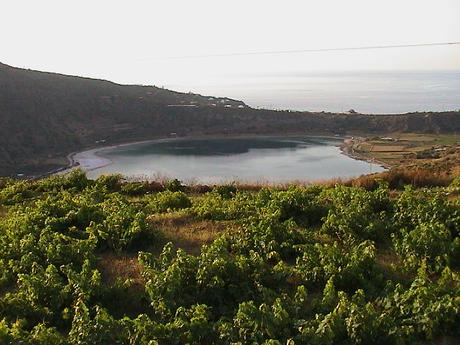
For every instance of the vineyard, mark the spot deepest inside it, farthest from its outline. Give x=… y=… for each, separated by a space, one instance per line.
x=115 y=262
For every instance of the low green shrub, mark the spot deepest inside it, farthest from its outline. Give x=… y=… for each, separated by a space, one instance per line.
x=168 y=201
x=174 y=185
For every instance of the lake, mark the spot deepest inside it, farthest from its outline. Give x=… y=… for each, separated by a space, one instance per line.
x=255 y=159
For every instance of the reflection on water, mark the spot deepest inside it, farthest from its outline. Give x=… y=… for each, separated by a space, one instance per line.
x=277 y=159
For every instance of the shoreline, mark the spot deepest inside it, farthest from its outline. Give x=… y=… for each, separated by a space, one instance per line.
x=90 y=159
x=347 y=149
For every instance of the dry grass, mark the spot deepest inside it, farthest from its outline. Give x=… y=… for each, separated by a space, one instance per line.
x=398 y=177
x=131 y=301
x=186 y=232
x=257 y=186
x=380 y=147
x=456 y=171
x=431 y=175
x=120 y=266
x=404 y=148
x=387 y=261
x=446 y=340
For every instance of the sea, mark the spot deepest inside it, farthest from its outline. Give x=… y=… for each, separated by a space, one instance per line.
x=389 y=92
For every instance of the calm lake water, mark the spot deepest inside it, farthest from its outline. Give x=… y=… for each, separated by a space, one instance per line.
x=229 y=159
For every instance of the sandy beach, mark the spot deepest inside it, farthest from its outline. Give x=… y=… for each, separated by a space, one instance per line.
x=89 y=160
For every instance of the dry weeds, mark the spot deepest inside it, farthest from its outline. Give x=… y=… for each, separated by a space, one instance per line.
x=186 y=232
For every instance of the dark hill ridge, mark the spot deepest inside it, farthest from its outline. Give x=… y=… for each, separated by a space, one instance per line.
x=45 y=116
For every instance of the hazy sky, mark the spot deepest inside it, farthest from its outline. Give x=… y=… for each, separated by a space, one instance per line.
x=126 y=41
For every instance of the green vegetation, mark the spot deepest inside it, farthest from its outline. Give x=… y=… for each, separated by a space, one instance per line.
x=107 y=262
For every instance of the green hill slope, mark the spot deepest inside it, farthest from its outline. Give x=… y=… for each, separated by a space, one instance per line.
x=107 y=262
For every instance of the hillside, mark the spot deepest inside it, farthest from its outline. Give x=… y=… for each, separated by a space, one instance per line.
x=46 y=116
x=109 y=262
